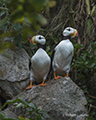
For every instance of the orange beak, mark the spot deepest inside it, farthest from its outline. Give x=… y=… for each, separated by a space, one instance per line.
x=76 y=33
x=31 y=40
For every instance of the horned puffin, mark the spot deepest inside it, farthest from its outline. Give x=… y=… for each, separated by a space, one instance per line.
x=63 y=53
x=40 y=62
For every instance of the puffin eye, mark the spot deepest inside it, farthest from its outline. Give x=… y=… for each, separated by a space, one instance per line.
x=68 y=29
x=40 y=38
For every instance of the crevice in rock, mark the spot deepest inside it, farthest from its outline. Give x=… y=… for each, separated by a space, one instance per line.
x=2 y=101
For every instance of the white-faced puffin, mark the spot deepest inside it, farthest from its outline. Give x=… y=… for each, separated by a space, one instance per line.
x=39 y=63
x=63 y=54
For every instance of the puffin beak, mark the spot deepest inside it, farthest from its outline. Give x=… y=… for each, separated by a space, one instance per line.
x=33 y=41
x=75 y=33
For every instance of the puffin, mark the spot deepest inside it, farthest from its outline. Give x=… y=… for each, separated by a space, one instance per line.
x=63 y=54
x=40 y=62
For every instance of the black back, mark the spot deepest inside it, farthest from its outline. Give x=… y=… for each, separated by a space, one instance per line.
x=41 y=46
x=67 y=37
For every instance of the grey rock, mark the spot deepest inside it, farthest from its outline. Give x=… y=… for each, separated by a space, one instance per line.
x=62 y=99
x=8 y=112
x=14 y=72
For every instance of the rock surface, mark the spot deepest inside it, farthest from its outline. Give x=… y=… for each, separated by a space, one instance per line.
x=14 y=72
x=62 y=99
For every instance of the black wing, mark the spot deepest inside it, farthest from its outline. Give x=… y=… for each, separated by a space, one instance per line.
x=52 y=57
x=51 y=70
x=30 y=64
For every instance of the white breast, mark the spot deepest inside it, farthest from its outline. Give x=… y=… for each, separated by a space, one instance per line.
x=40 y=65
x=63 y=55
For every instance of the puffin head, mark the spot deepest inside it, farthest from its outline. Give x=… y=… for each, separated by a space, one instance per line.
x=69 y=31
x=38 y=39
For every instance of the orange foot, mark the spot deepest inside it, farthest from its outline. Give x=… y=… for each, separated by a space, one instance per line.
x=66 y=75
x=56 y=77
x=43 y=84
x=29 y=87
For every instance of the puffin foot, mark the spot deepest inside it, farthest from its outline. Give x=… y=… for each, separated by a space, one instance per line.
x=43 y=84
x=56 y=77
x=29 y=87
x=66 y=75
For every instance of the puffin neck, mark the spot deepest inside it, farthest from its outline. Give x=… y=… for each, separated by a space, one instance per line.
x=41 y=46
x=67 y=37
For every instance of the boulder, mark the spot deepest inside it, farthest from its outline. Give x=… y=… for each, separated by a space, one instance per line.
x=62 y=99
x=14 y=72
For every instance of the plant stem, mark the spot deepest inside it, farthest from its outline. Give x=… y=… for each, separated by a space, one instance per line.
x=88 y=6
x=70 y=14
x=93 y=11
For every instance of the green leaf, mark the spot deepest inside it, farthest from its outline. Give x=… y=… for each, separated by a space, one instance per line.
x=89 y=25
x=21 y=118
x=39 y=4
x=40 y=19
x=2 y=8
x=32 y=105
x=17 y=26
x=13 y=101
x=38 y=117
x=18 y=41
x=93 y=11
x=20 y=105
x=3 y=117
x=90 y=118
x=41 y=111
x=18 y=17
x=3 y=21
x=2 y=13
x=52 y=3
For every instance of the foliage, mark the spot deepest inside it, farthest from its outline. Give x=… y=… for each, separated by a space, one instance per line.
x=27 y=109
x=85 y=64
x=21 y=19
x=23 y=16
x=91 y=13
